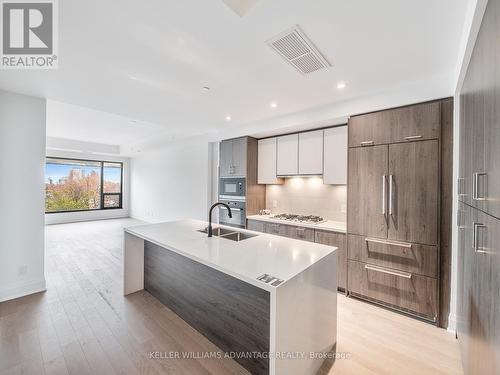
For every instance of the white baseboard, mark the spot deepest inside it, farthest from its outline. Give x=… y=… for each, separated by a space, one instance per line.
x=75 y=217
x=21 y=290
x=452 y=323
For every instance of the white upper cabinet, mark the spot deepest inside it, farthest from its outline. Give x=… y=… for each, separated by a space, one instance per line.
x=317 y=152
x=311 y=153
x=335 y=158
x=288 y=155
x=267 y=162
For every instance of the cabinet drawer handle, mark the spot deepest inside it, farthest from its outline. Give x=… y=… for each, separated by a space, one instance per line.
x=459 y=219
x=367 y=143
x=413 y=137
x=390 y=243
x=475 y=245
x=391 y=183
x=383 y=195
x=406 y=275
x=461 y=186
x=475 y=186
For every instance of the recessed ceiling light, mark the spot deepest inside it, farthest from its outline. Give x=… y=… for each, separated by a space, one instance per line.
x=205 y=88
x=341 y=85
x=133 y=78
x=133 y=121
x=273 y=104
x=228 y=118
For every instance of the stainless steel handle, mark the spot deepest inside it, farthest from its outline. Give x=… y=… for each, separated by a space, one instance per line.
x=475 y=245
x=383 y=195
x=232 y=209
x=367 y=143
x=475 y=186
x=461 y=186
x=406 y=275
x=413 y=137
x=459 y=219
x=389 y=242
x=390 y=194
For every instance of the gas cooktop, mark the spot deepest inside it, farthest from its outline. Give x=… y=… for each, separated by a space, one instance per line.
x=309 y=219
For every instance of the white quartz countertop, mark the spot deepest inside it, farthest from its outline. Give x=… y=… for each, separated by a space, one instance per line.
x=329 y=225
x=246 y=260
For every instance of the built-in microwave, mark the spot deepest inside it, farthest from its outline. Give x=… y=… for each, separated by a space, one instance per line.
x=231 y=187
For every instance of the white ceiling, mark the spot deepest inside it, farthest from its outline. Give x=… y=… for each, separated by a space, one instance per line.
x=149 y=61
x=70 y=121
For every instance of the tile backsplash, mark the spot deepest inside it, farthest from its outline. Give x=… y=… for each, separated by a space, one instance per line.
x=308 y=196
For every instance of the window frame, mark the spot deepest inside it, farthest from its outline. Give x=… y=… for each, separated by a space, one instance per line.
x=102 y=193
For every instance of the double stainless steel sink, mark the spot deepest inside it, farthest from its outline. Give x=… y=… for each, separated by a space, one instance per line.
x=229 y=234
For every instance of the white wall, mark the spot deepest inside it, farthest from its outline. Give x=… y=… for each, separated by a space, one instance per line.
x=69 y=217
x=172 y=183
x=22 y=159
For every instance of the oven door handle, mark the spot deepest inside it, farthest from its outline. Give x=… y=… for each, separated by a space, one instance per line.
x=232 y=208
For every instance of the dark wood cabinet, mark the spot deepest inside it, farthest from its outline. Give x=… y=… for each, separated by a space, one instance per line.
x=324 y=237
x=414 y=192
x=464 y=183
x=478 y=322
x=273 y=228
x=255 y=225
x=479 y=177
x=478 y=219
x=226 y=158
x=397 y=191
x=233 y=157
x=367 y=177
x=403 y=290
x=415 y=258
x=291 y=231
x=395 y=196
x=416 y=122
x=338 y=240
x=465 y=261
x=239 y=156
x=484 y=305
x=297 y=232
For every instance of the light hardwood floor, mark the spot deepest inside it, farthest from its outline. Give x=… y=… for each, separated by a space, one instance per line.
x=83 y=324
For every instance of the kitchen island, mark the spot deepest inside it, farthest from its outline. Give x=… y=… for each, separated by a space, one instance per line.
x=269 y=301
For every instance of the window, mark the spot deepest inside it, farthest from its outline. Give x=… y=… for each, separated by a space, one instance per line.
x=82 y=185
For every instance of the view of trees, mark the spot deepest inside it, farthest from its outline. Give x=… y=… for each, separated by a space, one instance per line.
x=79 y=189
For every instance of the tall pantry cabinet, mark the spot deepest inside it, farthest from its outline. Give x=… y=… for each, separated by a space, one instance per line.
x=478 y=221
x=394 y=207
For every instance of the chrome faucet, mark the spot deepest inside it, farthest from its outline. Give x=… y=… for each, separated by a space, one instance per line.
x=210 y=230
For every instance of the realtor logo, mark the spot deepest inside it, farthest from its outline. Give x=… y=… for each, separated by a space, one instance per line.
x=29 y=34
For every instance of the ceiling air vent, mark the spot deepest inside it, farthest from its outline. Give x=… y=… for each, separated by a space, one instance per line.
x=298 y=50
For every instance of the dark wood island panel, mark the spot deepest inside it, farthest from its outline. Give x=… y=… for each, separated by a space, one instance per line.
x=231 y=313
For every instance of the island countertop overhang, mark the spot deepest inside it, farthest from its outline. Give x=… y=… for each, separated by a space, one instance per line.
x=246 y=260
